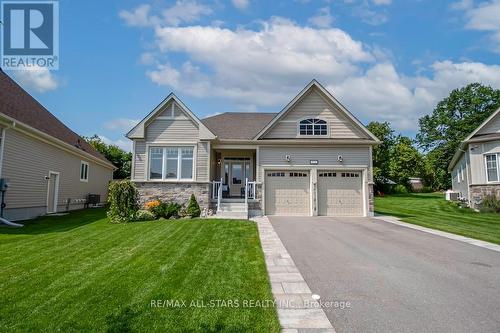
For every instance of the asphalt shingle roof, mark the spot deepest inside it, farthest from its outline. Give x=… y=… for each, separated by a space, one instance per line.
x=16 y=103
x=238 y=125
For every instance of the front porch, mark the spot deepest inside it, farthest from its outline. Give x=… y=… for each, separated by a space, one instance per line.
x=233 y=182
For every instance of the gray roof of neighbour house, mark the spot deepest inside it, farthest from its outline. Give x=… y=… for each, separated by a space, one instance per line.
x=17 y=104
x=238 y=125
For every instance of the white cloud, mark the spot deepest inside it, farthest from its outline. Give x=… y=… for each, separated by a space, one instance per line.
x=462 y=5
x=369 y=15
x=248 y=64
x=382 y=2
x=483 y=17
x=241 y=4
x=267 y=66
x=124 y=144
x=37 y=78
x=323 y=19
x=183 y=11
x=121 y=124
x=139 y=17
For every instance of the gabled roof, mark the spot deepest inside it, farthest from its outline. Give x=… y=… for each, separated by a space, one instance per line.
x=138 y=131
x=238 y=125
x=18 y=105
x=473 y=137
x=310 y=86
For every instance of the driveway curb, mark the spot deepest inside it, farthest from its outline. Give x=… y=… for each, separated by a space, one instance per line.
x=297 y=310
x=472 y=241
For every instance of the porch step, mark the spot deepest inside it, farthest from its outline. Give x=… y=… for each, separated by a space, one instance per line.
x=233 y=207
x=232 y=215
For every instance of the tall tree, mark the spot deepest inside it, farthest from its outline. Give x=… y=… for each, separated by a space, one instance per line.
x=120 y=158
x=452 y=120
x=406 y=162
x=382 y=152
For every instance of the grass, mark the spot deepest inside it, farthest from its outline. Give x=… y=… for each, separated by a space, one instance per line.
x=433 y=211
x=80 y=273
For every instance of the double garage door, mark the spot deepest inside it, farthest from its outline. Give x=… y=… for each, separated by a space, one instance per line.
x=289 y=193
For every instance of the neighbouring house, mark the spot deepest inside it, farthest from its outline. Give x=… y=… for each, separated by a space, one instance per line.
x=416 y=184
x=475 y=166
x=48 y=167
x=312 y=158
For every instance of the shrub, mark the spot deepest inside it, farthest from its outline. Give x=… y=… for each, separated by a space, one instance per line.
x=193 y=208
x=490 y=204
x=166 y=210
x=123 y=199
x=400 y=189
x=183 y=213
x=144 y=215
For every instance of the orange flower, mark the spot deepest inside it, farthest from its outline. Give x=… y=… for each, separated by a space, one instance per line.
x=152 y=204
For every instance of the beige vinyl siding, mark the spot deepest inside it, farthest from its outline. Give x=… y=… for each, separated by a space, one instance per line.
x=26 y=162
x=176 y=130
x=492 y=127
x=301 y=156
x=139 y=160
x=477 y=160
x=314 y=105
x=202 y=160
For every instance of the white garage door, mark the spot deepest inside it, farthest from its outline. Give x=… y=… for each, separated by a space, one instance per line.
x=340 y=193
x=287 y=193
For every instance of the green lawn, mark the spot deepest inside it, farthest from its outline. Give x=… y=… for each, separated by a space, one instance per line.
x=433 y=211
x=79 y=273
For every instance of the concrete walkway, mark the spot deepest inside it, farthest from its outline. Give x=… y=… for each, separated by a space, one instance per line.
x=298 y=311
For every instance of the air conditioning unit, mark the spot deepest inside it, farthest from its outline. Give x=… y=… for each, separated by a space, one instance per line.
x=452 y=195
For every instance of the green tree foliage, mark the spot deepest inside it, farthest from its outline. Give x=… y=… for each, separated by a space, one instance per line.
x=405 y=162
x=123 y=199
x=382 y=152
x=120 y=158
x=193 y=208
x=452 y=120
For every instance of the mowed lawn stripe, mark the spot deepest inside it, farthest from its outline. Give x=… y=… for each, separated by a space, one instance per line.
x=102 y=277
x=433 y=211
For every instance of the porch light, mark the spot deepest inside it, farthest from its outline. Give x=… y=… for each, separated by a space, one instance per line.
x=288 y=158
x=340 y=158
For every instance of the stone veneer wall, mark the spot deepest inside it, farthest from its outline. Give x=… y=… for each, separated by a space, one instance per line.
x=478 y=192
x=371 y=200
x=177 y=192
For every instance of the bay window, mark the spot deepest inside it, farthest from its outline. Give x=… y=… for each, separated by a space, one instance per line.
x=492 y=167
x=171 y=163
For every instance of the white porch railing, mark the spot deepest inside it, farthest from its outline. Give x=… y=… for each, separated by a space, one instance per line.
x=216 y=185
x=251 y=190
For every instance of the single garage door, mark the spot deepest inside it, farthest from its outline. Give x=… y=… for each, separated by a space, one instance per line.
x=287 y=193
x=340 y=193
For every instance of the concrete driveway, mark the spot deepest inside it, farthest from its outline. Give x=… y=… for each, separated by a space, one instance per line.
x=395 y=278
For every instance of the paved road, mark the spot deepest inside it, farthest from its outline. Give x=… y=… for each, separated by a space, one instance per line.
x=396 y=279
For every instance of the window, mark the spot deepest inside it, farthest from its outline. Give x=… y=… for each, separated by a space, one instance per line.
x=492 y=167
x=171 y=163
x=84 y=171
x=298 y=174
x=328 y=174
x=276 y=174
x=313 y=127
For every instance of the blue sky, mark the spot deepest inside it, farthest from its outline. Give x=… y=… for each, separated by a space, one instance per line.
x=386 y=60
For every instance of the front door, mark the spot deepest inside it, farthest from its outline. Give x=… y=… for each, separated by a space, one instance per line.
x=235 y=174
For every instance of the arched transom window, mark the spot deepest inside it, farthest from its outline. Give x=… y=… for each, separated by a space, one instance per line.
x=313 y=126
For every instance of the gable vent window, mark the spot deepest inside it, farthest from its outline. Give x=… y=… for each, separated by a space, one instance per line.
x=313 y=127
x=84 y=171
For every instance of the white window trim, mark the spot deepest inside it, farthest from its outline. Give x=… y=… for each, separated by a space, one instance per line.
x=327 y=135
x=497 y=158
x=86 y=180
x=164 y=146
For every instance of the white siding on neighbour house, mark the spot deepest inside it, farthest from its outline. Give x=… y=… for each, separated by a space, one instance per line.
x=460 y=177
x=477 y=160
x=26 y=162
x=312 y=105
x=492 y=127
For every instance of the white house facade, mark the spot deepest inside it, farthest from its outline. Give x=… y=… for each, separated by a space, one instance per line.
x=312 y=158
x=475 y=168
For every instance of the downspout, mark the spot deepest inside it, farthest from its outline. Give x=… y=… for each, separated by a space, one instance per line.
x=2 y=146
